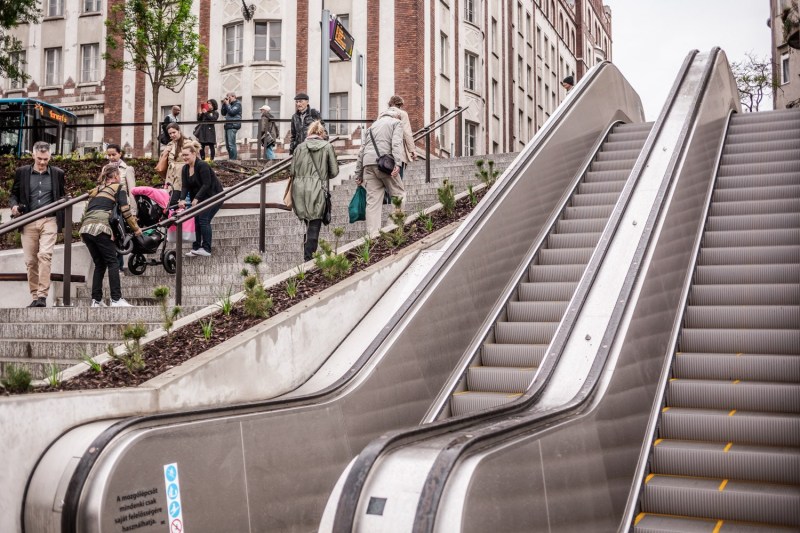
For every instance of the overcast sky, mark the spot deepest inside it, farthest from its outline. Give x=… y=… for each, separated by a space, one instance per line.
x=653 y=37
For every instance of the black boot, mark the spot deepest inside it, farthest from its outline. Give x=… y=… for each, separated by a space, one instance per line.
x=312 y=239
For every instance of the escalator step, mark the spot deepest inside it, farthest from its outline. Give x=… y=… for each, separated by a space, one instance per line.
x=778 y=128
x=583 y=225
x=722 y=499
x=727 y=460
x=558 y=241
x=601 y=187
x=546 y=292
x=536 y=311
x=784 y=205
x=743 y=427
x=763 y=145
x=756 y=294
x=633 y=144
x=499 y=379
x=616 y=154
x=469 y=402
x=555 y=273
x=743 y=137
x=732 y=366
x=625 y=136
x=655 y=523
x=565 y=256
x=764 y=152
x=524 y=332
x=773 y=180
x=763 y=192
x=753 y=237
x=753 y=221
x=718 y=340
x=624 y=165
x=583 y=212
x=753 y=316
x=739 y=395
x=751 y=255
x=586 y=200
x=595 y=176
x=519 y=355
x=746 y=274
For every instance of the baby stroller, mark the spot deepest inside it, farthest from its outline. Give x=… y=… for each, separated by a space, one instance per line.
x=153 y=239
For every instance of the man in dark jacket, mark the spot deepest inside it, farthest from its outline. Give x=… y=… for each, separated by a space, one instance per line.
x=232 y=111
x=301 y=119
x=36 y=186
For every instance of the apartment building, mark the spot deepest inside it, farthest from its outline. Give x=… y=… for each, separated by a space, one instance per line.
x=503 y=61
x=784 y=22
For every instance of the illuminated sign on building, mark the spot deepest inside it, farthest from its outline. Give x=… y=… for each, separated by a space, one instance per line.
x=341 y=41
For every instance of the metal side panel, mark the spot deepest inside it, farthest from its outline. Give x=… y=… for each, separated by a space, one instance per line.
x=273 y=465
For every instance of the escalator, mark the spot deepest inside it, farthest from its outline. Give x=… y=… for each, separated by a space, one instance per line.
x=510 y=358
x=727 y=451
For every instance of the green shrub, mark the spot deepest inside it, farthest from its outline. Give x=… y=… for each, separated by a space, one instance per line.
x=133 y=357
x=161 y=294
x=487 y=174
x=331 y=264
x=207 y=326
x=447 y=197
x=16 y=379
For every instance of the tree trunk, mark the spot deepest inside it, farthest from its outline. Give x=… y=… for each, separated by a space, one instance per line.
x=155 y=145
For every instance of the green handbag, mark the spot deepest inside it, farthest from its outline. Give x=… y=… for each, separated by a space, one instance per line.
x=358 y=205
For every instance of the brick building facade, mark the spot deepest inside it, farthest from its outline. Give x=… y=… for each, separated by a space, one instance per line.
x=502 y=60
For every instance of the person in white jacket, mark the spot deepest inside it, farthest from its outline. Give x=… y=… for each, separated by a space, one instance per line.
x=385 y=134
x=409 y=149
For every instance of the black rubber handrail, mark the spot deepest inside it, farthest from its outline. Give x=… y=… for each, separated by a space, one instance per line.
x=461 y=445
x=42 y=212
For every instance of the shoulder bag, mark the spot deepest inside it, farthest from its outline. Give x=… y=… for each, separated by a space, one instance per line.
x=163 y=164
x=326 y=216
x=385 y=162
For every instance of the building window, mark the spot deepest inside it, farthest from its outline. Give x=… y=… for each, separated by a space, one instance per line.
x=86 y=134
x=470 y=138
x=267 y=42
x=469 y=11
x=544 y=49
x=519 y=70
x=528 y=26
x=233 y=44
x=18 y=60
x=52 y=66
x=338 y=110
x=495 y=92
x=471 y=71
x=519 y=17
x=530 y=128
x=90 y=62
x=495 y=47
x=544 y=98
x=443 y=131
x=55 y=8
x=539 y=41
x=519 y=126
x=444 y=45
x=274 y=103
x=784 y=68
x=529 y=80
x=91 y=6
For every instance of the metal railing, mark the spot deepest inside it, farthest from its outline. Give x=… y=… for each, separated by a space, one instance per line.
x=259 y=179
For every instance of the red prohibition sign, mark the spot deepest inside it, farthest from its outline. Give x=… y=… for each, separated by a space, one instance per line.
x=176 y=526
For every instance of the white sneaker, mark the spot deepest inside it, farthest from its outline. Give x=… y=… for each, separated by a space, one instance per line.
x=100 y=303
x=191 y=253
x=120 y=303
x=202 y=253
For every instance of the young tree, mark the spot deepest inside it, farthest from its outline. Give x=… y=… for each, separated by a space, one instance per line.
x=158 y=38
x=12 y=14
x=753 y=79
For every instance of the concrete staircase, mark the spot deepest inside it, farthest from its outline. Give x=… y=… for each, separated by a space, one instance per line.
x=39 y=337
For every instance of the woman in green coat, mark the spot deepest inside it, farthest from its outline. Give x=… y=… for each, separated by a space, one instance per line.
x=313 y=164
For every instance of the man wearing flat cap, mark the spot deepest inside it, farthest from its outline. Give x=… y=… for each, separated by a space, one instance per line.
x=302 y=118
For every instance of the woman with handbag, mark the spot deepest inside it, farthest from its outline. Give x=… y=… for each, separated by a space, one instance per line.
x=96 y=233
x=206 y=134
x=174 y=161
x=199 y=183
x=313 y=165
x=267 y=132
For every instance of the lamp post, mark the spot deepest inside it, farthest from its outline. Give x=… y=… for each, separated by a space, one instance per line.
x=325 y=38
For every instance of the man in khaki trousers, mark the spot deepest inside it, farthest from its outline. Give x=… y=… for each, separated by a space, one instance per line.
x=36 y=186
x=386 y=134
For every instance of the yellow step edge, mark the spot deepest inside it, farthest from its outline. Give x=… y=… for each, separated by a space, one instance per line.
x=737 y=381
x=732 y=412
x=648 y=478
x=639 y=518
x=722 y=485
x=664 y=410
x=657 y=442
x=718 y=527
x=728 y=447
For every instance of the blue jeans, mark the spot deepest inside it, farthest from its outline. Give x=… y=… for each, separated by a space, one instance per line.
x=269 y=152
x=230 y=142
x=202 y=231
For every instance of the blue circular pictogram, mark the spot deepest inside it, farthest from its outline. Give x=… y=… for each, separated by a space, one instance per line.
x=172 y=491
x=171 y=473
x=174 y=509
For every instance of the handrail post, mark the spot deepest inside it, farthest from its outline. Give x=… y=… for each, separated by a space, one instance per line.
x=262 y=218
x=428 y=156
x=258 y=149
x=67 y=229
x=178 y=262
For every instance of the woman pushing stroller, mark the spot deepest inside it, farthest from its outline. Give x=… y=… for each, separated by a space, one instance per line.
x=96 y=233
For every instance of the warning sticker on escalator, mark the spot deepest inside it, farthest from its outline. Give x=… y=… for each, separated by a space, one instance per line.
x=173 y=488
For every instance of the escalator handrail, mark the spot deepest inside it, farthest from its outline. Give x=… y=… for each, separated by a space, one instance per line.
x=477 y=439
x=666 y=372
x=86 y=463
x=366 y=460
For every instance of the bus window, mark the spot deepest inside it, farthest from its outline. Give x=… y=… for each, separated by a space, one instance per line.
x=9 y=133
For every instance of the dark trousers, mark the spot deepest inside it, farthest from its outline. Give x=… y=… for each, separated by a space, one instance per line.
x=211 y=149
x=104 y=256
x=312 y=239
x=202 y=232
